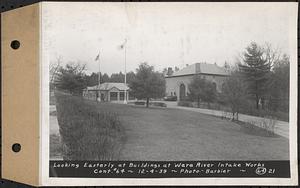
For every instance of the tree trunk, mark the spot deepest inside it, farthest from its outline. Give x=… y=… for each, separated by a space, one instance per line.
x=256 y=95
x=147 y=104
x=257 y=101
x=262 y=103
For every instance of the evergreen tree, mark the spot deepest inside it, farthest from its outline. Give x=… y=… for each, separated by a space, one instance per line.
x=256 y=71
x=71 y=78
x=104 y=78
x=117 y=77
x=130 y=76
x=92 y=79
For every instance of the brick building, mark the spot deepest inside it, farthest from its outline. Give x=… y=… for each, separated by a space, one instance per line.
x=177 y=82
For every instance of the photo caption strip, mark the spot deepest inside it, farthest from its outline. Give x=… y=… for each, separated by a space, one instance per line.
x=167 y=169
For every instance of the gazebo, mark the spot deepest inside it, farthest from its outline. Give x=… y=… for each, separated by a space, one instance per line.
x=109 y=91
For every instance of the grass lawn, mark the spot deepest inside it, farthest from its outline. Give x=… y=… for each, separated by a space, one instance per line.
x=172 y=134
x=55 y=147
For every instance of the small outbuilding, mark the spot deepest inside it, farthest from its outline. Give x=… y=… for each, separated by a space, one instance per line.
x=109 y=91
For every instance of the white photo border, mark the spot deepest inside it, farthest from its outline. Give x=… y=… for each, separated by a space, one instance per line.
x=45 y=180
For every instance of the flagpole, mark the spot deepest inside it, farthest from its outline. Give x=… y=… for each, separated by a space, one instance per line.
x=125 y=92
x=99 y=77
x=99 y=71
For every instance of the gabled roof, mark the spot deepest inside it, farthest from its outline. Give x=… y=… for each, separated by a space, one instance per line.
x=109 y=86
x=203 y=68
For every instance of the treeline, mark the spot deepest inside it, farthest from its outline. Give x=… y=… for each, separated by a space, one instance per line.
x=73 y=78
x=266 y=75
x=92 y=79
x=258 y=84
x=144 y=84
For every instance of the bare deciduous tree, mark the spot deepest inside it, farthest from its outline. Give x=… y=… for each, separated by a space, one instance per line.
x=234 y=93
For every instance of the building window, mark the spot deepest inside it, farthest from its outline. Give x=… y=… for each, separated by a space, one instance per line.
x=223 y=86
x=215 y=85
x=182 y=92
x=171 y=93
x=113 y=96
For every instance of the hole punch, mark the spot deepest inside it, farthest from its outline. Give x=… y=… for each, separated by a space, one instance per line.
x=15 y=44
x=16 y=147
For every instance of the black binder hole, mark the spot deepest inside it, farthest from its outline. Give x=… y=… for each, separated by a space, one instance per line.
x=16 y=147
x=15 y=44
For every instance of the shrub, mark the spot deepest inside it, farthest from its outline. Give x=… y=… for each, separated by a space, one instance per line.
x=227 y=115
x=87 y=133
x=185 y=103
x=139 y=102
x=161 y=104
x=250 y=109
x=258 y=130
x=268 y=124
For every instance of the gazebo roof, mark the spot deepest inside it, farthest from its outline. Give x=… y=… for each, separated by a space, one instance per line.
x=108 y=86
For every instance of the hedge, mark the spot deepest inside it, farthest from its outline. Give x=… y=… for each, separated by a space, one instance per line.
x=86 y=132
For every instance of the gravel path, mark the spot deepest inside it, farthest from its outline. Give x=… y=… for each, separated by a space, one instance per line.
x=281 y=127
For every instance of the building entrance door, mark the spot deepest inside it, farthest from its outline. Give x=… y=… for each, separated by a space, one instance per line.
x=182 y=92
x=102 y=97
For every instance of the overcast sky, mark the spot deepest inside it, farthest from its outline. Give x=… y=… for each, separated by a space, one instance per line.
x=162 y=34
